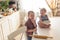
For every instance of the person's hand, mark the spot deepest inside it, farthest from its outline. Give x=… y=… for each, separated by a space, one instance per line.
x=30 y=30
x=34 y=23
x=35 y=29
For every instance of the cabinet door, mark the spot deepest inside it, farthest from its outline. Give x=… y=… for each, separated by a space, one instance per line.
x=1 y=33
x=6 y=29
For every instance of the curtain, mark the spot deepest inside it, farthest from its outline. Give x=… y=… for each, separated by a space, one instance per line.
x=53 y=5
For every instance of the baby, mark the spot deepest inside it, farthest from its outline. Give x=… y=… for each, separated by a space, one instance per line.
x=44 y=20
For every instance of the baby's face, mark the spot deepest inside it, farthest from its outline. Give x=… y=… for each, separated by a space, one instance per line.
x=31 y=15
x=42 y=12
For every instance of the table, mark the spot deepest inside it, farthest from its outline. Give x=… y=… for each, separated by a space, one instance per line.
x=53 y=31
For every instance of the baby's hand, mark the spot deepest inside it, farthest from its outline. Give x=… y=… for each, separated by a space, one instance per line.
x=34 y=23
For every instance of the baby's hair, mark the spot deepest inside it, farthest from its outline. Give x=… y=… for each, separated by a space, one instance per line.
x=43 y=9
x=30 y=12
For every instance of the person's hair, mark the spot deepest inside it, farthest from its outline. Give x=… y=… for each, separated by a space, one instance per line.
x=30 y=12
x=43 y=9
x=11 y=2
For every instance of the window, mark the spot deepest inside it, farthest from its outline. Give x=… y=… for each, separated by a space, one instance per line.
x=34 y=5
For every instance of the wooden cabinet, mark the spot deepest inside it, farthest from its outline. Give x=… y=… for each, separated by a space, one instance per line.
x=1 y=33
x=6 y=29
x=8 y=25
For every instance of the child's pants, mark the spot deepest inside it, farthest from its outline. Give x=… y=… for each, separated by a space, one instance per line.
x=29 y=38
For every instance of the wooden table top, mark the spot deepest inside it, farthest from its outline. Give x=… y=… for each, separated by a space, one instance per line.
x=53 y=31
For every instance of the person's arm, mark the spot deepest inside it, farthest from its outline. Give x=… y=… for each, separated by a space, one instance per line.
x=34 y=22
x=48 y=18
x=30 y=30
x=41 y=21
x=35 y=25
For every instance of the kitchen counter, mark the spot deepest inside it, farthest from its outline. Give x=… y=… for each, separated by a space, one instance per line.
x=9 y=24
